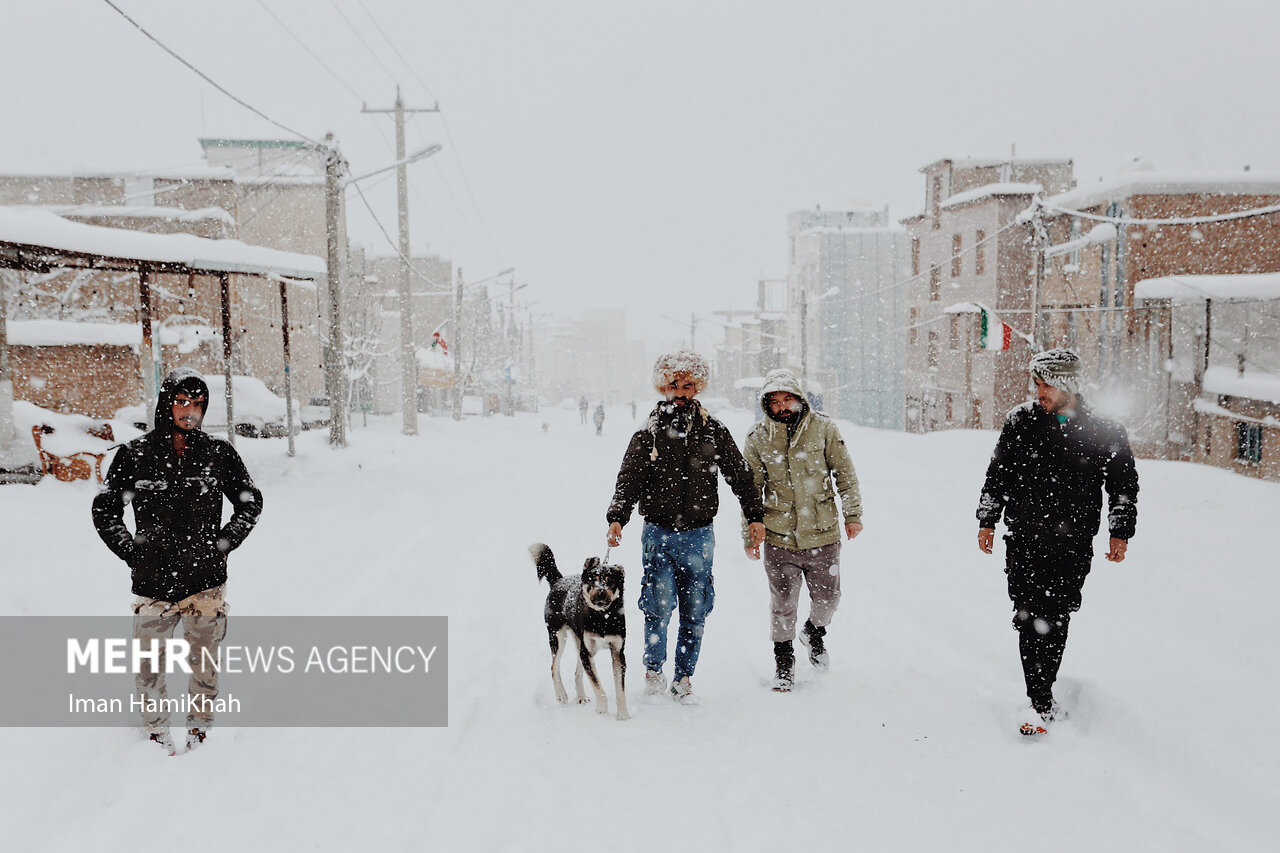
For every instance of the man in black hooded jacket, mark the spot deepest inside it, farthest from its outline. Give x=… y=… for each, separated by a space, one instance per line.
x=176 y=477
x=1053 y=460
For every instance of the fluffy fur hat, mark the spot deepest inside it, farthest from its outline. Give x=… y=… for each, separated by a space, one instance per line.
x=1057 y=367
x=684 y=363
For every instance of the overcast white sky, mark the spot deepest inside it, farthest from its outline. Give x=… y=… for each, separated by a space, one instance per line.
x=645 y=155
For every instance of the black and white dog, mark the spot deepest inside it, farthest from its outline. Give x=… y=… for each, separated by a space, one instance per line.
x=588 y=606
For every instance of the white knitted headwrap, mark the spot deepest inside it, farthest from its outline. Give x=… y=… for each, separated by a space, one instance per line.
x=1057 y=367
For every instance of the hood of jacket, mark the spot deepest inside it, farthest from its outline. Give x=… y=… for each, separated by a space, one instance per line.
x=784 y=380
x=185 y=379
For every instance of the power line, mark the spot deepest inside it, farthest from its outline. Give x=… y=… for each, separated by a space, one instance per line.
x=360 y=38
x=209 y=79
x=1188 y=220
x=310 y=52
x=442 y=288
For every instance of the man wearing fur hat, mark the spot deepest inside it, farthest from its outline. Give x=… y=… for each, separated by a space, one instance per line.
x=176 y=477
x=794 y=455
x=1053 y=461
x=671 y=469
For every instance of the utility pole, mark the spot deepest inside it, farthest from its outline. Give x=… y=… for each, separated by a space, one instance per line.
x=408 y=345
x=693 y=332
x=457 y=350
x=335 y=374
x=1040 y=241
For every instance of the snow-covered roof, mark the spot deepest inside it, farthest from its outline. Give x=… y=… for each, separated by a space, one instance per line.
x=1198 y=288
x=125 y=211
x=983 y=163
x=1253 y=385
x=43 y=230
x=988 y=190
x=433 y=358
x=61 y=333
x=1130 y=184
x=962 y=308
x=829 y=229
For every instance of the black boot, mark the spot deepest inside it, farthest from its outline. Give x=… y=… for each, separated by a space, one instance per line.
x=785 y=657
x=812 y=638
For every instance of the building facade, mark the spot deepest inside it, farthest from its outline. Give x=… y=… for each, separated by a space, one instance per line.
x=969 y=251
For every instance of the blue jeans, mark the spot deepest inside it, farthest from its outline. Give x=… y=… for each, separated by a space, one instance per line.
x=677 y=569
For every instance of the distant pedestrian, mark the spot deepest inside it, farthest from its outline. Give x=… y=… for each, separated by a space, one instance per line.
x=672 y=468
x=1053 y=460
x=176 y=477
x=583 y=405
x=633 y=410
x=800 y=463
x=599 y=419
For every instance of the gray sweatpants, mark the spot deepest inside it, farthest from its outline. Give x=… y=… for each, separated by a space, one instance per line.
x=787 y=571
x=204 y=625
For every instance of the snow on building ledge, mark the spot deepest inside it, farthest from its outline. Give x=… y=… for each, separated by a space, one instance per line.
x=1198 y=288
x=1130 y=184
x=989 y=190
x=63 y=333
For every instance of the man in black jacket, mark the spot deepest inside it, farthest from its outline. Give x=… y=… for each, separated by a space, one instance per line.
x=176 y=477
x=671 y=468
x=1053 y=460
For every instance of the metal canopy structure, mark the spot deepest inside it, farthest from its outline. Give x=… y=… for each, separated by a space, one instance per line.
x=39 y=241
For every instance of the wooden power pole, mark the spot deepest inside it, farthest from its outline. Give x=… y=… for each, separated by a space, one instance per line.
x=408 y=344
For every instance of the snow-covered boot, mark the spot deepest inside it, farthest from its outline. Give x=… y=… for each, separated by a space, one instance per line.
x=166 y=742
x=785 y=658
x=811 y=637
x=195 y=737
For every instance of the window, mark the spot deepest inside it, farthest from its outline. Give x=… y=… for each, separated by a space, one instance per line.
x=1249 y=443
x=957 y=243
x=954 y=342
x=933 y=350
x=979 y=252
x=936 y=202
x=935 y=284
x=915 y=256
x=913 y=323
x=951 y=407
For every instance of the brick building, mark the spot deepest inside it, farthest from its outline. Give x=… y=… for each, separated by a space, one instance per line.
x=1146 y=357
x=968 y=248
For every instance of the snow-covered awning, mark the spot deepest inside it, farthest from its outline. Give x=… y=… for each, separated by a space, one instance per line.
x=36 y=239
x=1198 y=288
x=1227 y=381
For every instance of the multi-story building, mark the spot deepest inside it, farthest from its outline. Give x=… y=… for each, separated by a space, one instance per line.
x=1149 y=357
x=969 y=252
x=846 y=316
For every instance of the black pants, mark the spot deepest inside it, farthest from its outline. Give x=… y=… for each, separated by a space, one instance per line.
x=1045 y=583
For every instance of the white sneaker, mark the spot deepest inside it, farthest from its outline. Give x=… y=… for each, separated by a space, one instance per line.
x=655 y=683
x=682 y=692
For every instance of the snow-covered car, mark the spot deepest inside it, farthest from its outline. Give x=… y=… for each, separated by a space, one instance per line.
x=258 y=412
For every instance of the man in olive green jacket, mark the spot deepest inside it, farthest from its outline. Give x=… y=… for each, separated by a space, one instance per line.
x=794 y=455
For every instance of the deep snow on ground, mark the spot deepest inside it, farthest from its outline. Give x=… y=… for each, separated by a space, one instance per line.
x=908 y=743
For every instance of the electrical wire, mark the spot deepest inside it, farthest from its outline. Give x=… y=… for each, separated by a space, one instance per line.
x=209 y=79
x=360 y=38
x=311 y=52
x=443 y=288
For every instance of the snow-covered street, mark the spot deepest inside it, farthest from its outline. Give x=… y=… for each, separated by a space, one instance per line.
x=909 y=742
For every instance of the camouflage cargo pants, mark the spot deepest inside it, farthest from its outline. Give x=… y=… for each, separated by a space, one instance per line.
x=204 y=625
